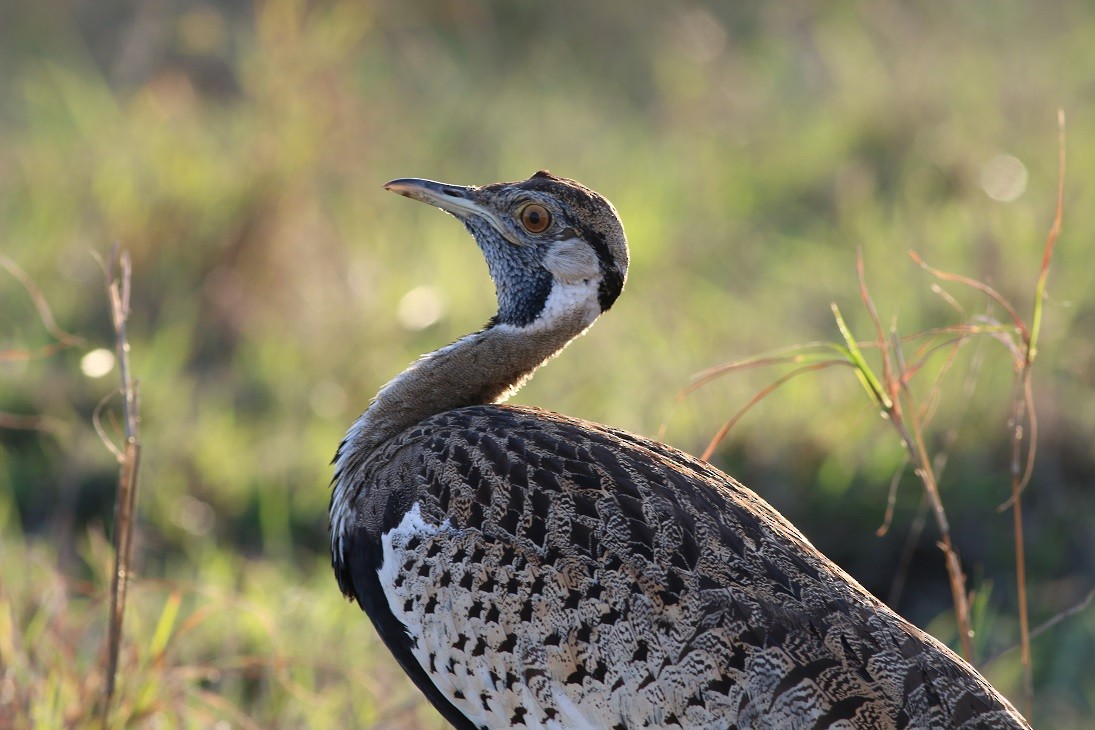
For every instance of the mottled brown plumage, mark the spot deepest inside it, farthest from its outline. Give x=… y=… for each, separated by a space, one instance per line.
x=527 y=569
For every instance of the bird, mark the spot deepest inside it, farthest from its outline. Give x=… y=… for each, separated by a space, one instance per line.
x=527 y=569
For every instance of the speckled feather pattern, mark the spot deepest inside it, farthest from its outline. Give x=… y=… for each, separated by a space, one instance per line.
x=529 y=570
x=546 y=572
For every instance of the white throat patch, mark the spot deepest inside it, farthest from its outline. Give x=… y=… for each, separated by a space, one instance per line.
x=576 y=301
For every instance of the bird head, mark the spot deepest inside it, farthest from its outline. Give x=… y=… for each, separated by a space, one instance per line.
x=552 y=245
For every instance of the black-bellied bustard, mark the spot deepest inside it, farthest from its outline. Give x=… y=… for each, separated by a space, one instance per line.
x=528 y=569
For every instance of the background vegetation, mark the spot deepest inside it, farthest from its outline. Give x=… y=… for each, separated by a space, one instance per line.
x=237 y=151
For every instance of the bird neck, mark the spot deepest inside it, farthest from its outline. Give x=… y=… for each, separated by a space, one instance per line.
x=484 y=367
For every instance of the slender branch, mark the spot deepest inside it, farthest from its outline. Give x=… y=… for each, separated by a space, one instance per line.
x=796 y=354
x=1051 y=240
x=45 y=314
x=914 y=441
x=118 y=279
x=1020 y=553
x=912 y=539
x=1047 y=625
x=893 y=395
x=896 y=385
x=45 y=424
x=24 y=354
x=979 y=286
x=891 y=499
x=1024 y=422
x=793 y=355
x=771 y=387
x=880 y=336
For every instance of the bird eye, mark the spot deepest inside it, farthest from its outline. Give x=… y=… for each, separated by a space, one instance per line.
x=535 y=218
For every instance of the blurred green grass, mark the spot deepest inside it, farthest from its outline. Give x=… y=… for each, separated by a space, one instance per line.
x=238 y=150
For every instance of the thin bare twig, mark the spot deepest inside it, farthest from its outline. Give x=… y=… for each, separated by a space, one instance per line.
x=23 y=354
x=118 y=280
x=1051 y=239
x=18 y=421
x=1047 y=625
x=45 y=314
x=980 y=286
x=912 y=539
x=765 y=392
x=891 y=499
x=893 y=395
x=910 y=429
x=65 y=340
x=1021 y=406
x=97 y=423
x=1025 y=422
x=797 y=354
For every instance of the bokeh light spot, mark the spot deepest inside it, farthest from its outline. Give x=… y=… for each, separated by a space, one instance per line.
x=97 y=363
x=1004 y=178
x=194 y=515
x=420 y=307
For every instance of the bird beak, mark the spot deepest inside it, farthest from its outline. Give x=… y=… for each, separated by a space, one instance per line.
x=459 y=200
x=456 y=199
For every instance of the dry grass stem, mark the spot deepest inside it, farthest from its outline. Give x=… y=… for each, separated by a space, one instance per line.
x=1025 y=422
x=118 y=280
x=892 y=394
x=64 y=340
x=1049 y=624
x=764 y=393
x=45 y=314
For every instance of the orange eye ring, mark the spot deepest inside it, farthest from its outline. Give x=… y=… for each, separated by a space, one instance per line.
x=535 y=218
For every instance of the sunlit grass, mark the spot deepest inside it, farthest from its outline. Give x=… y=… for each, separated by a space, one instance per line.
x=750 y=150
x=251 y=642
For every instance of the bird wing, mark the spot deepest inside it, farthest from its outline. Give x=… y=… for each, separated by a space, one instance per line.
x=527 y=568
